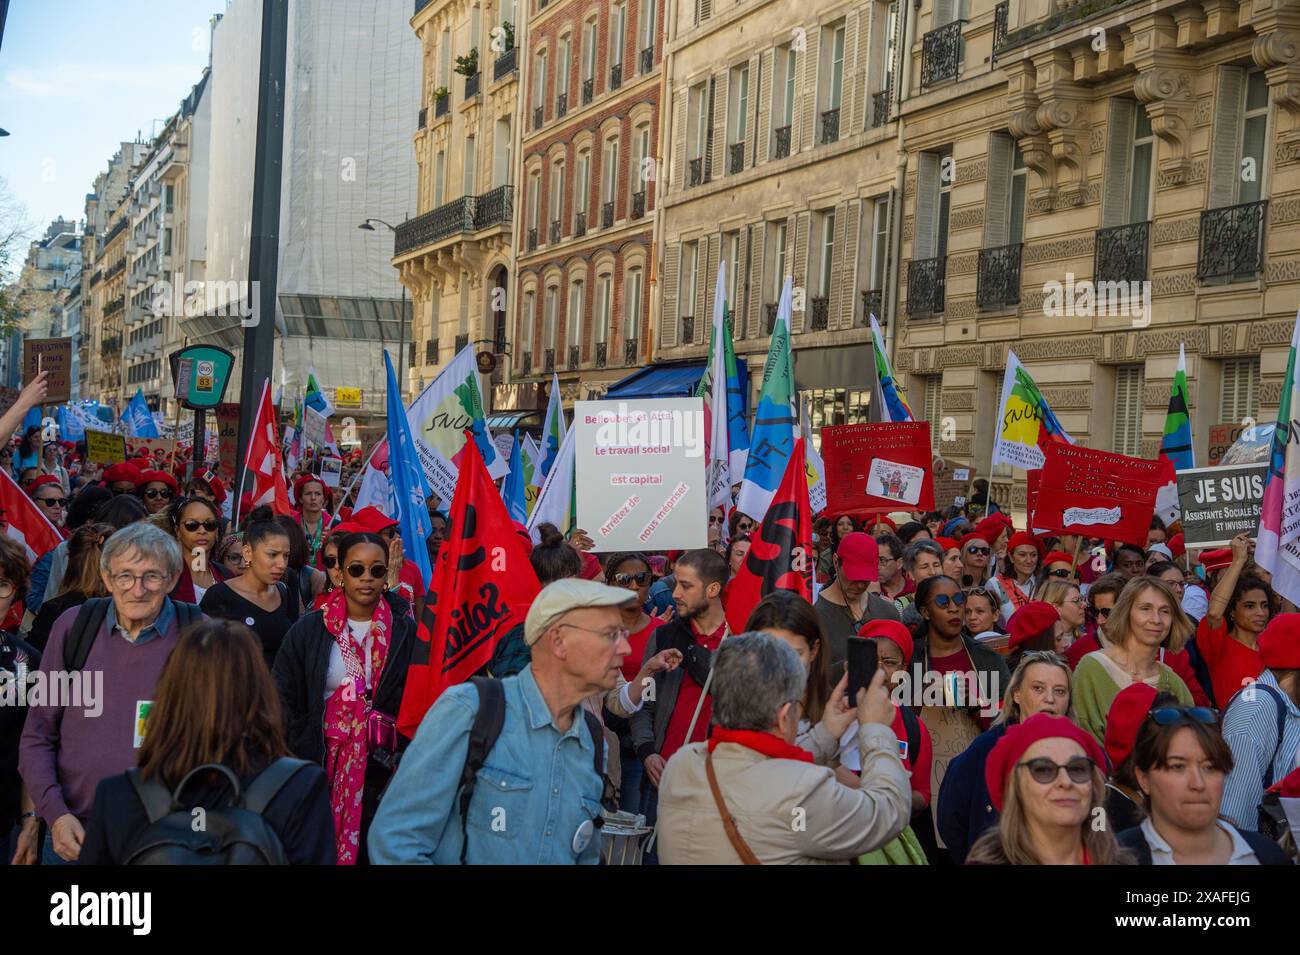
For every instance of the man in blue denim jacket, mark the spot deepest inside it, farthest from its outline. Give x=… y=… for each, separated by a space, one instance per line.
x=538 y=796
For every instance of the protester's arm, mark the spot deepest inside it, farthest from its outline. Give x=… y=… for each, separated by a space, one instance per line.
x=38 y=750
x=631 y=694
x=26 y=849
x=1222 y=594
x=28 y=398
x=823 y=739
x=1244 y=788
x=642 y=722
x=421 y=800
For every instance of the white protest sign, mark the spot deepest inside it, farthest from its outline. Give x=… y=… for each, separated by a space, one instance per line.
x=898 y=482
x=314 y=427
x=331 y=471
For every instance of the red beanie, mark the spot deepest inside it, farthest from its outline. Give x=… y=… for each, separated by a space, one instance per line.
x=1011 y=747
x=947 y=543
x=1032 y=620
x=122 y=471
x=1024 y=539
x=977 y=536
x=1279 y=644
x=1177 y=545
x=591 y=568
x=162 y=477
x=991 y=527
x=890 y=630
x=1127 y=711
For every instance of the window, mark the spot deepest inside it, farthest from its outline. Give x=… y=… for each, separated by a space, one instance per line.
x=539 y=82
x=582 y=186
x=1253 y=142
x=879 y=243
x=1143 y=166
x=698 y=124
x=933 y=198
x=501 y=141
x=890 y=48
x=557 y=191
x=1019 y=181
x=836 y=91
x=589 y=50
x=605 y=303
x=646 y=31
x=781 y=266
x=1239 y=390
x=444 y=59
x=826 y=255
x=833 y=406
x=439 y=179
x=632 y=304
x=738 y=109
x=610 y=161
x=934 y=408
x=617 y=34
x=534 y=199
x=552 y=299
x=574 y=317
x=526 y=321
x=1128 y=410
x=731 y=255
x=1004 y=197
x=690 y=269
x=471 y=163
x=787 y=54
x=637 y=174
x=563 y=59
x=463 y=326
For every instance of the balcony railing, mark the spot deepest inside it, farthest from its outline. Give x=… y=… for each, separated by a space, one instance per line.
x=735 y=158
x=113 y=232
x=553 y=237
x=532 y=239
x=782 y=141
x=769 y=317
x=997 y=282
x=607 y=215
x=688 y=329
x=506 y=63
x=431 y=352
x=695 y=170
x=941 y=54
x=616 y=76
x=588 y=90
x=1120 y=253
x=461 y=342
x=580 y=224
x=820 y=313
x=424 y=115
x=548 y=361
x=575 y=356
x=472 y=84
x=435 y=225
x=647 y=59
x=880 y=108
x=115 y=270
x=441 y=104
x=1232 y=242
x=638 y=204
x=526 y=363
x=602 y=353
x=925 y=282
x=1000 y=17
x=494 y=208
x=630 y=352
x=561 y=105
x=830 y=126
x=872 y=304
x=539 y=116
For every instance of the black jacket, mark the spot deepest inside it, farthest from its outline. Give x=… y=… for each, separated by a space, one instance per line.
x=14 y=653
x=649 y=725
x=1266 y=850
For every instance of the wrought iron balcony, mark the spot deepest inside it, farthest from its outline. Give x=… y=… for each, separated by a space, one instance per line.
x=548 y=361
x=630 y=352
x=941 y=54
x=561 y=105
x=431 y=352
x=1000 y=18
x=553 y=237
x=830 y=126
x=638 y=204
x=769 y=317
x=494 y=208
x=441 y=104
x=115 y=270
x=647 y=59
x=588 y=90
x=435 y=225
x=506 y=63
x=880 y=108
x=925 y=282
x=424 y=115
x=873 y=304
x=580 y=224
x=1120 y=253
x=735 y=158
x=526 y=363
x=820 y=313
x=782 y=141
x=688 y=329
x=575 y=356
x=532 y=239
x=113 y=232
x=471 y=85
x=607 y=215
x=602 y=353
x=1232 y=242
x=695 y=170
x=616 y=76
x=461 y=342
x=997 y=282
x=539 y=116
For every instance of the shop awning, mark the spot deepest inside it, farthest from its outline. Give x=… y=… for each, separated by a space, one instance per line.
x=677 y=380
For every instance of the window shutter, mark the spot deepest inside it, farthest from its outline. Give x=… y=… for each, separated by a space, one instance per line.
x=800 y=271
x=757 y=263
x=807 y=118
x=763 y=124
x=1119 y=157
x=944 y=13
x=1225 y=149
x=1239 y=389
x=870 y=49
x=711 y=130
x=925 y=241
x=706 y=9
x=934 y=407
x=722 y=83
x=850 y=105
x=1128 y=410
x=851 y=217
x=679 y=140
x=705 y=249
x=997 y=192
x=705 y=308
x=668 y=313
x=739 y=308
x=757 y=89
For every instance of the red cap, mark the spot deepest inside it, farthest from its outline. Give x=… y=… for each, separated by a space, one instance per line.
x=1032 y=620
x=1279 y=644
x=1127 y=711
x=122 y=471
x=859 y=557
x=162 y=477
x=890 y=630
x=306 y=479
x=41 y=481
x=344 y=528
x=1024 y=539
x=372 y=519
x=1058 y=557
x=1177 y=545
x=1216 y=559
x=1011 y=747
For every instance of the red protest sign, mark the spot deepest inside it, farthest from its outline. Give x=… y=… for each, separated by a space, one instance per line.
x=876 y=468
x=1098 y=493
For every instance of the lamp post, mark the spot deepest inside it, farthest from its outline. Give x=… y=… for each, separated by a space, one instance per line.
x=401 y=323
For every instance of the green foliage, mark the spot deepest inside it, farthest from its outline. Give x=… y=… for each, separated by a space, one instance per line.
x=467 y=65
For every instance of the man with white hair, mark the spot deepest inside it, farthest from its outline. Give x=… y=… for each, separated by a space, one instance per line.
x=100 y=668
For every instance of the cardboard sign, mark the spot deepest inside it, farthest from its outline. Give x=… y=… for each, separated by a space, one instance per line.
x=331 y=471
x=52 y=355
x=104 y=447
x=640 y=468
x=1220 y=503
x=227 y=439
x=347 y=398
x=314 y=427
x=1221 y=438
x=951 y=731
x=877 y=468
x=1098 y=493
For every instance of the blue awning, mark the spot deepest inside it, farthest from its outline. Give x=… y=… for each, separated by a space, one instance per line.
x=678 y=380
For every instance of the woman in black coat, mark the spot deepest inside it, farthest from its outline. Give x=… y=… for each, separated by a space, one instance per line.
x=341 y=672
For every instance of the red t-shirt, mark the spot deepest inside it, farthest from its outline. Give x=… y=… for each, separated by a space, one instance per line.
x=638 y=640
x=960 y=662
x=409 y=584
x=1231 y=663
x=1080 y=648
x=687 y=697
x=918 y=764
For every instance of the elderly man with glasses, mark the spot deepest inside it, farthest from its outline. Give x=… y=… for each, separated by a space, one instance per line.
x=105 y=658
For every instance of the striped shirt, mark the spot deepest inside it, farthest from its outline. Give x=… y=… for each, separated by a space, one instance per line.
x=1250 y=728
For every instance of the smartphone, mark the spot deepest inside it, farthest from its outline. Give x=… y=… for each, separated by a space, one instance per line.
x=861 y=664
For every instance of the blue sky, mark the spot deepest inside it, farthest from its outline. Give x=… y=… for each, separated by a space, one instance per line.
x=79 y=76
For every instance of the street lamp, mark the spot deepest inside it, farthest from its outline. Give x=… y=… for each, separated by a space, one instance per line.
x=401 y=324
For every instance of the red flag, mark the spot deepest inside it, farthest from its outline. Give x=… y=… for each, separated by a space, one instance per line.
x=780 y=554
x=264 y=458
x=484 y=581
x=23 y=521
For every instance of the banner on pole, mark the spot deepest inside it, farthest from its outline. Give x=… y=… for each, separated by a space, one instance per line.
x=1098 y=493
x=1219 y=503
x=347 y=398
x=877 y=468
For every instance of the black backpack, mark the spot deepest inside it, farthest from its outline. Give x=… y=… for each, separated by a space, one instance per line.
x=90 y=618
x=483 y=734
x=1268 y=824
x=236 y=834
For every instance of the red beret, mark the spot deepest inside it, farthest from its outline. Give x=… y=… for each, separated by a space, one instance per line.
x=344 y=528
x=1177 y=545
x=1058 y=557
x=890 y=630
x=1216 y=559
x=160 y=476
x=1279 y=644
x=1031 y=620
x=1024 y=539
x=977 y=536
x=372 y=519
x=991 y=527
x=306 y=479
x=215 y=485
x=1011 y=747
x=947 y=543
x=122 y=471
x=1289 y=786
x=1127 y=711
x=41 y=481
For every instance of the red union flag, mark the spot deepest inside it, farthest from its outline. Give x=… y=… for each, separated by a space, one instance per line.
x=483 y=585
x=264 y=460
x=1098 y=493
x=23 y=521
x=780 y=554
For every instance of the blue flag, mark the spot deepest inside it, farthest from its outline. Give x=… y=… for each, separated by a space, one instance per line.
x=70 y=426
x=410 y=487
x=138 y=418
x=33 y=419
x=512 y=489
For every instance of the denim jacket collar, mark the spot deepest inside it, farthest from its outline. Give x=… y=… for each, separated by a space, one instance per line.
x=539 y=714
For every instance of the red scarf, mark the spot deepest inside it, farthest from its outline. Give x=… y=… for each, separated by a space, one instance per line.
x=765 y=743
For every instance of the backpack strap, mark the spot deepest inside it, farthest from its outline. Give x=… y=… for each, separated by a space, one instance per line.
x=1280 y=704
x=270 y=781
x=483 y=734
x=913 y=726
x=597 y=731
x=85 y=628
x=153 y=795
x=186 y=614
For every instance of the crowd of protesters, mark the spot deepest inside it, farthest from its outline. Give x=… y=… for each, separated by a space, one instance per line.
x=200 y=663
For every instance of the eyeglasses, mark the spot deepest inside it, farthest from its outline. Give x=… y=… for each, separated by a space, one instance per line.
x=151 y=579
x=942 y=600
x=377 y=571
x=154 y=492
x=329 y=560
x=1169 y=715
x=979 y=550
x=613 y=636
x=209 y=525
x=53 y=501
x=640 y=579
x=7 y=589
x=1045 y=771
x=1060 y=572
x=1101 y=612
x=715 y=519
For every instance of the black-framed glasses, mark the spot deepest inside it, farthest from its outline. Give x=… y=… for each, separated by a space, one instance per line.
x=1045 y=771
x=641 y=578
x=1169 y=715
x=942 y=600
x=53 y=501
x=1101 y=613
x=154 y=492
x=1060 y=572
x=358 y=570
x=192 y=525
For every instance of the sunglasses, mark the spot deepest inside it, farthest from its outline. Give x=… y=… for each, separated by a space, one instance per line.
x=942 y=600
x=209 y=525
x=979 y=550
x=1101 y=613
x=1045 y=771
x=1169 y=715
x=377 y=571
x=330 y=560
x=52 y=501
x=1062 y=573
x=155 y=493
x=640 y=579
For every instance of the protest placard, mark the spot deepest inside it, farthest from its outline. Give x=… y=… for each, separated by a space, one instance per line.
x=227 y=438
x=640 y=473
x=314 y=428
x=347 y=398
x=52 y=355
x=877 y=468
x=951 y=731
x=104 y=447
x=1098 y=493
x=1220 y=503
x=1221 y=438
x=331 y=470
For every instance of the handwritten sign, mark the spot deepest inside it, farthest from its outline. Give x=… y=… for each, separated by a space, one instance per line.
x=877 y=468
x=52 y=355
x=951 y=731
x=1098 y=493
x=104 y=447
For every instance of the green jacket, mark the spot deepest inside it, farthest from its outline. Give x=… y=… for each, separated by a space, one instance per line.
x=1094 y=689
